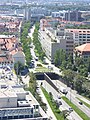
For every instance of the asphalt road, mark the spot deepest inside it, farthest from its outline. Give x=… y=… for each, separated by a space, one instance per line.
x=73 y=115
x=71 y=95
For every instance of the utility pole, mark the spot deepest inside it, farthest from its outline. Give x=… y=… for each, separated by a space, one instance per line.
x=70 y=94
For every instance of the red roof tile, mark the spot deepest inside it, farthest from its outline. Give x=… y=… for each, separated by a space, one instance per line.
x=84 y=47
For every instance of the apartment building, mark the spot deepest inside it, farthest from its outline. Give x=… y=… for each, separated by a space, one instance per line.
x=10 y=51
x=73 y=16
x=80 y=36
x=53 y=40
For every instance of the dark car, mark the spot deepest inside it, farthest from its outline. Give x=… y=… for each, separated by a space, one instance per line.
x=80 y=103
x=60 y=103
x=70 y=109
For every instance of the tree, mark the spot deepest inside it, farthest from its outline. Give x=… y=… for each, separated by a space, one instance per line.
x=88 y=65
x=78 y=80
x=82 y=69
x=68 y=76
x=63 y=65
x=18 y=67
x=79 y=61
x=32 y=83
x=59 y=57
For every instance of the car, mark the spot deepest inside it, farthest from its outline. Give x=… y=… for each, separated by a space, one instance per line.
x=60 y=103
x=80 y=103
x=70 y=109
x=59 y=97
x=50 y=67
x=36 y=58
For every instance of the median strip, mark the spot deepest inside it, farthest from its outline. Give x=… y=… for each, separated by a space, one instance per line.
x=76 y=109
x=55 y=110
x=88 y=105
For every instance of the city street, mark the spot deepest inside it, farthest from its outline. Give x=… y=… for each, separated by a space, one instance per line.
x=73 y=115
x=71 y=93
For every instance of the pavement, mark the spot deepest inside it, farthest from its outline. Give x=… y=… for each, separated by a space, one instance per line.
x=72 y=96
x=49 y=111
x=75 y=100
x=73 y=115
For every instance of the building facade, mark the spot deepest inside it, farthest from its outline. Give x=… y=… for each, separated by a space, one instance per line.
x=83 y=51
x=80 y=36
x=53 y=40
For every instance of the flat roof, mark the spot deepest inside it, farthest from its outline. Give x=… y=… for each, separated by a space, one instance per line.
x=31 y=99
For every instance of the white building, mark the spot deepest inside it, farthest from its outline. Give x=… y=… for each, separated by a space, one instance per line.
x=53 y=40
x=15 y=102
x=80 y=36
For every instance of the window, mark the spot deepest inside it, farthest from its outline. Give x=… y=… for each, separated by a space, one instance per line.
x=88 y=36
x=84 y=36
x=80 y=36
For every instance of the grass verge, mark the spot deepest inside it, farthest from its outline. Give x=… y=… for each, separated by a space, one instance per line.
x=76 y=109
x=42 y=69
x=88 y=105
x=56 y=111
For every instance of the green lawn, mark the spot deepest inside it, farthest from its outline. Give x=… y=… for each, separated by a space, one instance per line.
x=77 y=110
x=42 y=69
x=57 y=112
x=88 y=105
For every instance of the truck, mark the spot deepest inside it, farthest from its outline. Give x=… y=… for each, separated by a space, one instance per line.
x=63 y=90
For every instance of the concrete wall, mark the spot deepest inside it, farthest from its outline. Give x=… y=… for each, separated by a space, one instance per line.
x=47 y=78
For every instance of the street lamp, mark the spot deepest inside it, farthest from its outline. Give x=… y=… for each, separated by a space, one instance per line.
x=70 y=94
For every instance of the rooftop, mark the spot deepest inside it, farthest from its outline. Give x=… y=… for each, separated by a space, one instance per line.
x=84 y=47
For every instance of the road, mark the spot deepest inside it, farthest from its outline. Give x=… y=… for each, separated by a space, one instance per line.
x=31 y=31
x=71 y=92
x=57 y=70
x=73 y=115
x=71 y=95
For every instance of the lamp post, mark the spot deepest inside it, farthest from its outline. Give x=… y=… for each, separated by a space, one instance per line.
x=70 y=94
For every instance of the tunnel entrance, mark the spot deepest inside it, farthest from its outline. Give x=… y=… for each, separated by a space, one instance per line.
x=52 y=76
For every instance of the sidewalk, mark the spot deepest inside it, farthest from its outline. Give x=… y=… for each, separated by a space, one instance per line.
x=49 y=111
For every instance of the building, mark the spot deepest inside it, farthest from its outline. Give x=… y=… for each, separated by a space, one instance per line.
x=27 y=13
x=53 y=40
x=10 y=51
x=80 y=36
x=68 y=15
x=83 y=51
x=15 y=102
x=73 y=16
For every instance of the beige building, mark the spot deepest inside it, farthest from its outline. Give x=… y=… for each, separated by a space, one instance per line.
x=53 y=40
